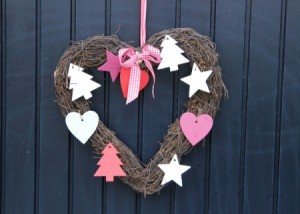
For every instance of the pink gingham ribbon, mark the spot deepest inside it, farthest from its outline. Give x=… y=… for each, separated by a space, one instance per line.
x=131 y=59
x=143 y=22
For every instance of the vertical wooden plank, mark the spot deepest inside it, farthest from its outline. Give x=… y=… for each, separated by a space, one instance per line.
x=158 y=112
x=200 y=18
x=127 y=18
x=20 y=106
x=289 y=185
x=37 y=104
x=194 y=180
x=279 y=104
x=261 y=113
x=53 y=169
x=123 y=119
x=89 y=22
x=2 y=102
x=226 y=134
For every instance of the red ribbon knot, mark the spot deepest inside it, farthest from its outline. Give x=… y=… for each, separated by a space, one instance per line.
x=132 y=59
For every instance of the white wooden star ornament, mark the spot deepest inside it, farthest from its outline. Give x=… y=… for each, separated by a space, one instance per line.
x=173 y=171
x=197 y=80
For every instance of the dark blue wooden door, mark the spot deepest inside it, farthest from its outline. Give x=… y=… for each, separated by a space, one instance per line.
x=250 y=162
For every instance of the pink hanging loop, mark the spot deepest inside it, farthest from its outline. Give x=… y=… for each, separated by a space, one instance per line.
x=129 y=58
x=143 y=22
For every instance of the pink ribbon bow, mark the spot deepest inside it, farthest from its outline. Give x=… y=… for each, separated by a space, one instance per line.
x=131 y=59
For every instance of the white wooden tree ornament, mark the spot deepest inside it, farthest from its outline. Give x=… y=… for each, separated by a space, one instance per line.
x=81 y=83
x=171 y=54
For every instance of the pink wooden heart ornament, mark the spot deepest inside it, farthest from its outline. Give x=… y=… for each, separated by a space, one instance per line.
x=195 y=128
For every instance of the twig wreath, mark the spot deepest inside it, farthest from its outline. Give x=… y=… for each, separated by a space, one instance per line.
x=165 y=48
x=90 y=53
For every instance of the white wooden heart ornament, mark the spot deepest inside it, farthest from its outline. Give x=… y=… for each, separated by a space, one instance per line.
x=82 y=126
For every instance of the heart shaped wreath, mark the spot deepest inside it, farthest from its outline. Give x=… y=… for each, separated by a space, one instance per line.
x=91 y=53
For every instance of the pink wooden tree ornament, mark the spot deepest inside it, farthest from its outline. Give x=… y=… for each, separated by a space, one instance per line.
x=110 y=164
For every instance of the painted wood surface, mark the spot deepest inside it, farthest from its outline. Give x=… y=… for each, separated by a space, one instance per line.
x=248 y=164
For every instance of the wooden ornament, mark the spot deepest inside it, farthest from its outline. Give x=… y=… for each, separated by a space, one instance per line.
x=124 y=80
x=195 y=128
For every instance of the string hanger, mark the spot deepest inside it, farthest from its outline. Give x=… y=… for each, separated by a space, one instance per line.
x=143 y=17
